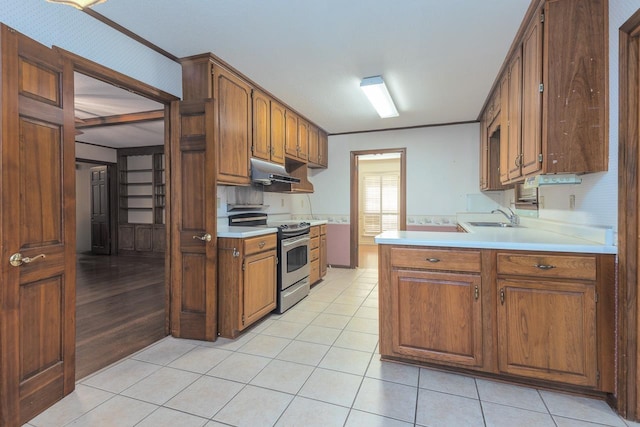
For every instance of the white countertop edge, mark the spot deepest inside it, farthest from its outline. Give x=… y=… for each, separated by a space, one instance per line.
x=485 y=241
x=243 y=232
x=315 y=222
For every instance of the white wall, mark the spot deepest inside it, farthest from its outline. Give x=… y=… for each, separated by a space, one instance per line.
x=75 y=31
x=442 y=171
x=94 y=152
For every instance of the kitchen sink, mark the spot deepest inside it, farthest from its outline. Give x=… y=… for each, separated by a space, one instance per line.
x=491 y=224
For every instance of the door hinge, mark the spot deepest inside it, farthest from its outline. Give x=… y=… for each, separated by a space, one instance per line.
x=596 y=297
x=243 y=319
x=277 y=261
x=540 y=157
x=243 y=266
x=541 y=87
x=542 y=17
x=598 y=376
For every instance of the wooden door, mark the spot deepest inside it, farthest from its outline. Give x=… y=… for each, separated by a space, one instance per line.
x=277 y=132
x=532 y=97
x=437 y=316
x=303 y=139
x=313 y=145
x=259 y=290
x=232 y=127
x=547 y=330
x=504 y=128
x=514 y=116
x=291 y=134
x=261 y=146
x=193 y=221
x=100 y=208
x=37 y=220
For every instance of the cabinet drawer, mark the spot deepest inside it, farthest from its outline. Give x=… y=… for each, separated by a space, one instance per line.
x=314 y=231
x=314 y=254
x=436 y=259
x=542 y=265
x=314 y=242
x=258 y=244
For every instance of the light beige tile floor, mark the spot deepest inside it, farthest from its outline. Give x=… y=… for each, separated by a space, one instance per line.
x=315 y=365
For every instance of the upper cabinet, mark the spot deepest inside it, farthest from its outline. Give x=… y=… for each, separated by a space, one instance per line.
x=318 y=150
x=268 y=129
x=553 y=92
x=233 y=126
x=248 y=121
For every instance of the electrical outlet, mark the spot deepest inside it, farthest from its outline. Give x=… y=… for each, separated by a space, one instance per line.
x=218 y=201
x=541 y=202
x=282 y=202
x=302 y=203
x=572 y=201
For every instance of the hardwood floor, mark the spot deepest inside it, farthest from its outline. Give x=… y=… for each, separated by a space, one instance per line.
x=120 y=308
x=368 y=256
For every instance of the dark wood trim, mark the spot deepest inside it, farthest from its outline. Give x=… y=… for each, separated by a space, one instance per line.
x=404 y=128
x=628 y=188
x=107 y=75
x=121 y=119
x=354 y=197
x=129 y=33
x=96 y=145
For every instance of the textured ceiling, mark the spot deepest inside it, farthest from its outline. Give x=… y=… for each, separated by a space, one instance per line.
x=439 y=58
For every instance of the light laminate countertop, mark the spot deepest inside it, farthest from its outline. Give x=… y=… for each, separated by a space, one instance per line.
x=513 y=238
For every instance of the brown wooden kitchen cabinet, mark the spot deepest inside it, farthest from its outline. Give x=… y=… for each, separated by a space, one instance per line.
x=490 y=153
x=246 y=282
x=431 y=307
x=318 y=252
x=314 y=153
x=515 y=315
x=303 y=140
x=557 y=92
x=268 y=128
x=548 y=318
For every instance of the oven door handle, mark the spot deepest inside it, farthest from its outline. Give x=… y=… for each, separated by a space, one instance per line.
x=287 y=243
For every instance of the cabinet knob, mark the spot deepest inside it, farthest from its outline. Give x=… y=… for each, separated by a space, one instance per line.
x=261 y=244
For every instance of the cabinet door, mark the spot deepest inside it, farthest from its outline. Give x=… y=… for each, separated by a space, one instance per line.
x=547 y=330
x=323 y=149
x=514 y=117
x=261 y=145
x=484 y=153
x=303 y=140
x=278 y=130
x=233 y=126
x=437 y=316
x=291 y=134
x=532 y=97
x=313 y=145
x=259 y=290
x=323 y=254
x=504 y=128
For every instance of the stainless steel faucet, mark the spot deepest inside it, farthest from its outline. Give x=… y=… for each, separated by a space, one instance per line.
x=513 y=218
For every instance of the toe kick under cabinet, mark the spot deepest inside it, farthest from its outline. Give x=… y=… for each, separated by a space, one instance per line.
x=247 y=278
x=533 y=317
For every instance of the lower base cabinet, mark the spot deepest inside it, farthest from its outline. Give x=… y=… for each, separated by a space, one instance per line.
x=318 y=253
x=141 y=239
x=247 y=278
x=514 y=315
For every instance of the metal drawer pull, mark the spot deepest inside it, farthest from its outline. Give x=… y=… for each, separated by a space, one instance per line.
x=544 y=266
x=206 y=237
x=433 y=259
x=17 y=259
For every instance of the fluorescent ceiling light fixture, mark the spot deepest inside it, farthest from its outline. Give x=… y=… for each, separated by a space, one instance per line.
x=78 y=4
x=378 y=95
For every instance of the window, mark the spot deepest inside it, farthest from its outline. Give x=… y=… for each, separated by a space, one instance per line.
x=380 y=203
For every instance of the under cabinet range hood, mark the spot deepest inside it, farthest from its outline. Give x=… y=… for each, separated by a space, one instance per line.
x=557 y=179
x=266 y=173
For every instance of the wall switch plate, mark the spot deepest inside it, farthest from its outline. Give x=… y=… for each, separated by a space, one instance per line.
x=572 y=201
x=282 y=202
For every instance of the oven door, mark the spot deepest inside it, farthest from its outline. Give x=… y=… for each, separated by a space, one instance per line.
x=294 y=261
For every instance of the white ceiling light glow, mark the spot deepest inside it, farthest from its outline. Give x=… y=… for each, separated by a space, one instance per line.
x=78 y=4
x=379 y=96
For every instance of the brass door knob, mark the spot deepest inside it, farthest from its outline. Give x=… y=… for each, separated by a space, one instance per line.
x=206 y=237
x=17 y=259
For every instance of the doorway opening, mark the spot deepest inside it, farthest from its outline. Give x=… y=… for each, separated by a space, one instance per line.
x=378 y=199
x=122 y=300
